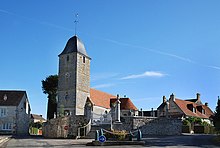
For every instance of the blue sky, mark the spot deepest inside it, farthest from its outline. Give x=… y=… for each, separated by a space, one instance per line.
x=142 y=49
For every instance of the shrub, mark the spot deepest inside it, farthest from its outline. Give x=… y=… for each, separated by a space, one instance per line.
x=186 y=122
x=117 y=135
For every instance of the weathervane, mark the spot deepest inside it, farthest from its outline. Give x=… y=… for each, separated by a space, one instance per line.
x=76 y=21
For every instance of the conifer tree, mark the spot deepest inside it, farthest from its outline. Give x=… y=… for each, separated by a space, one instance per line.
x=217 y=115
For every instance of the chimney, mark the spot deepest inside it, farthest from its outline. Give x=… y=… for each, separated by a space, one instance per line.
x=206 y=104
x=164 y=99
x=172 y=97
x=198 y=96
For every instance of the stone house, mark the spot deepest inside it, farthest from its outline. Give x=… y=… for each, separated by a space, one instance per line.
x=177 y=108
x=14 y=112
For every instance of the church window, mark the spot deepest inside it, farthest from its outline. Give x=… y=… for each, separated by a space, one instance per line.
x=66 y=96
x=67 y=58
x=84 y=59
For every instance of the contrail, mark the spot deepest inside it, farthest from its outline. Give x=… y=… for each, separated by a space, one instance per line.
x=112 y=41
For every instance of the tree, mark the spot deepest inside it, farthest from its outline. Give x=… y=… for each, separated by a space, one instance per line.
x=216 y=118
x=49 y=87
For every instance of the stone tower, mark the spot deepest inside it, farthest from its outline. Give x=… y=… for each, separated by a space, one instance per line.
x=74 y=78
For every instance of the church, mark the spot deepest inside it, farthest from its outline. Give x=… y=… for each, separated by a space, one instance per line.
x=75 y=97
x=76 y=101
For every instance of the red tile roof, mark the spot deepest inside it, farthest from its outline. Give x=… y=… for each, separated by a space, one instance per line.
x=126 y=104
x=99 y=98
x=183 y=106
x=12 y=97
x=102 y=99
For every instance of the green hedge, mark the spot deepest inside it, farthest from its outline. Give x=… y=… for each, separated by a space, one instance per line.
x=186 y=129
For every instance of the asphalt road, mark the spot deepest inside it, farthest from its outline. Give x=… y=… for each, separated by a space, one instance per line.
x=183 y=141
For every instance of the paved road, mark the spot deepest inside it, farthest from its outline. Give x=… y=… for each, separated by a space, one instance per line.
x=184 y=141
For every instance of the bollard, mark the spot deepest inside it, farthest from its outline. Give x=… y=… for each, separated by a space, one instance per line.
x=101 y=132
x=139 y=136
x=130 y=136
x=97 y=135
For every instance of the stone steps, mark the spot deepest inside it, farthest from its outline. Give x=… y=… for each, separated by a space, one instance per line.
x=91 y=134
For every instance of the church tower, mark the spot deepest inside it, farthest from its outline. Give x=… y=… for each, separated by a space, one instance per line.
x=74 y=78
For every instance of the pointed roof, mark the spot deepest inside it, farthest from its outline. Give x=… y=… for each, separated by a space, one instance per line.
x=74 y=44
x=37 y=117
x=99 y=98
x=102 y=99
x=182 y=104
x=11 y=97
x=126 y=104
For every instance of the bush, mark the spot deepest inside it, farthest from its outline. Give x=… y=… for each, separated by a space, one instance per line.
x=186 y=122
x=117 y=135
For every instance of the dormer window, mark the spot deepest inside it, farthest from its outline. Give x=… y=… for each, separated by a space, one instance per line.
x=203 y=111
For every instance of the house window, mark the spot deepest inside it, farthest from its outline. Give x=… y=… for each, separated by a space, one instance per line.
x=7 y=126
x=84 y=59
x=67 y=58
x=203 y=111
x=2 y=112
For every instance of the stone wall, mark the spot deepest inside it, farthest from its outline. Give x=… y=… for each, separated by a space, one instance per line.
x=82 y=82
x=131 y=123
x=150 y=125
x=63 y=127
x=162 y=126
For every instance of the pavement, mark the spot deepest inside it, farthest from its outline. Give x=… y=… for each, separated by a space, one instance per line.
x=4 y=138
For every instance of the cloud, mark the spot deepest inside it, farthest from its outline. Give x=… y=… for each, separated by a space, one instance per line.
x=103 y=85
x=145 y=74
x=214 y=67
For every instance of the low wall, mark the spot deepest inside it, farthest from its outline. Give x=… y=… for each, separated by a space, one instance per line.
x=162 y=126
x=132 y=123
x=54 y=128
x=63 y=127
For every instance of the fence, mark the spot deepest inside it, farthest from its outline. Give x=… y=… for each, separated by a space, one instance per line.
x=98 y=119
x=83 y=131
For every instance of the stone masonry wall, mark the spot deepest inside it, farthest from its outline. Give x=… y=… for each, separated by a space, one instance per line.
x=132 y=123
x=150 y=125
x=63 y=127
x=162 y=126
x=83 y=83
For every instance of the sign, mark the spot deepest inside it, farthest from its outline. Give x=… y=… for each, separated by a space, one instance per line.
x=102 y=138
x=66 y=127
